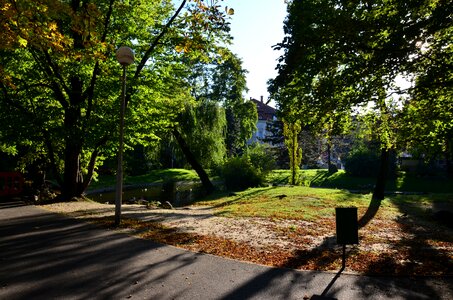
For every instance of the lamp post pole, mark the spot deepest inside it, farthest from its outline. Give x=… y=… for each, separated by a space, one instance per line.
x=125 y=57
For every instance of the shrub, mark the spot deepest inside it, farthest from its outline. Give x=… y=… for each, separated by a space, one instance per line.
x=261 y=157
x=240 y=174
x=249 y=170
x=362 y=162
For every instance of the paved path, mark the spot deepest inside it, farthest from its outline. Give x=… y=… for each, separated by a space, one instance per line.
x=47 y=256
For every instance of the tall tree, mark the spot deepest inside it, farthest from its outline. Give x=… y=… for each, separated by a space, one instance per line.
x=428 y=113
x=64 y=82
x=228 y=86
x=333 y=124
x=341 y=54
x=291 y=130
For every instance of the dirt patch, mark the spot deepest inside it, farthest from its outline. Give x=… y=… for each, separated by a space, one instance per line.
x=257 y=232
x=392 y=245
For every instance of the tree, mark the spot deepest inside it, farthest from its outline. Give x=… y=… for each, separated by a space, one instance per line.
x=291 y=130
x=65 y=83
x=201 y=138
x=276 y=139
x=333 y=124
x=342 y=54
x=427 y=127
x=228 y=85
x=428 y=111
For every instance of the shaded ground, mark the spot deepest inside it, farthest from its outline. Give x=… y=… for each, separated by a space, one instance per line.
x=47 y=256
x=392 y=243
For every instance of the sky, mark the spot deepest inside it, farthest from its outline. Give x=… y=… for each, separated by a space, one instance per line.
x=256 y=26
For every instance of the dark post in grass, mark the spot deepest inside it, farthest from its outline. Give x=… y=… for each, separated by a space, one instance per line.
x=347 y=229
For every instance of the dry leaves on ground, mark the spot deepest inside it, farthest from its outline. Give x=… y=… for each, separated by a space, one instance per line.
x=399 y=246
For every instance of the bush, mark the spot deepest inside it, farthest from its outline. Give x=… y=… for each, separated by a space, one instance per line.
x=240 y=174
x=249 y=170
x=261 y=157
x=362 y=162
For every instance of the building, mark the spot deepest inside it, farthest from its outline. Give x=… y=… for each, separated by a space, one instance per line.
x=266 y=114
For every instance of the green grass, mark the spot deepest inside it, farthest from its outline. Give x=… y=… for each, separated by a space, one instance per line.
x=309 y=204
x=309 y=178
x=341 y=180
x=285 y=202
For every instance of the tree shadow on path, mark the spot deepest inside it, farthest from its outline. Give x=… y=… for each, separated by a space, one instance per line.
x=359 y=287
x=46 y=256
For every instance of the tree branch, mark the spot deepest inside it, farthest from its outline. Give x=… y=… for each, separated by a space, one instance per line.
x=151 y=48
x=53 y=164
x=156 y=40
x=89 y=93
x=54 y=85
x=92 y=163
x=56 y=72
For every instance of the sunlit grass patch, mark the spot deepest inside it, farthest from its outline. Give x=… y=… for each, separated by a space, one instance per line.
x=287 y=202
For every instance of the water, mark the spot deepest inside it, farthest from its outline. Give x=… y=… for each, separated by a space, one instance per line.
x=177 y=193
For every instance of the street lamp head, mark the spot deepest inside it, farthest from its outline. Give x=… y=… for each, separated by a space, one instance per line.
x=125 y=56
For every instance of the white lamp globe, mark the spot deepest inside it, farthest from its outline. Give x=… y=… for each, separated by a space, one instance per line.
x=125 y=56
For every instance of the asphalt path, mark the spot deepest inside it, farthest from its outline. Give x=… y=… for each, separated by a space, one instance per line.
x=47 y=256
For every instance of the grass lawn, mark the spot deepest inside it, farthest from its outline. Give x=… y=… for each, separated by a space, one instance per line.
x=402 y=238
x=403 y=183
x=298 y=202
x=293 y=202
x=311 y=178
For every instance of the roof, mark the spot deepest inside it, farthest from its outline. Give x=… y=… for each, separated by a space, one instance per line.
x=265 y=112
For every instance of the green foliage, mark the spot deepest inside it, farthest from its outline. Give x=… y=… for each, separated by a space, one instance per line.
x=239 y=173
x=362 y=162
x=228 y=86
x=339 y=56
x=248 y=170
x=291 y=131
x=203 y=125
x=427 y=129
x=261 y=157
x=218 y=121
x=63 y=79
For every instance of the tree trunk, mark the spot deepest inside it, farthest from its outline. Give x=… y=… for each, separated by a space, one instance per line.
x=207 y=184
x=294 y=155
x=379 y=189
x=87 y=180
x=328 y=155
x=72 y=177
x=448 y=156
x=332 y=168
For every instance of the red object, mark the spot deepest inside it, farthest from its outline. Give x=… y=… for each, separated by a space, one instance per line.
x=11 y=183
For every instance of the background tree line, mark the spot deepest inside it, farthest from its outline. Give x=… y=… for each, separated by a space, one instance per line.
x=345 y=59
x=60 y=87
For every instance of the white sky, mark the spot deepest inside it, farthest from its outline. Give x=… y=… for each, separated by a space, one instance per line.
x=256 y=26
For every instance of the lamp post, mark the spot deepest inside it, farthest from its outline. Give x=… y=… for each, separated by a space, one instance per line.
x=125 y=57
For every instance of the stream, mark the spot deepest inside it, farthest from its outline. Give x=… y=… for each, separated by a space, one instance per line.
x=177 y=193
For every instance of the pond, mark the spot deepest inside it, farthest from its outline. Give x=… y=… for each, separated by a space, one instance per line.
x=177 y=193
